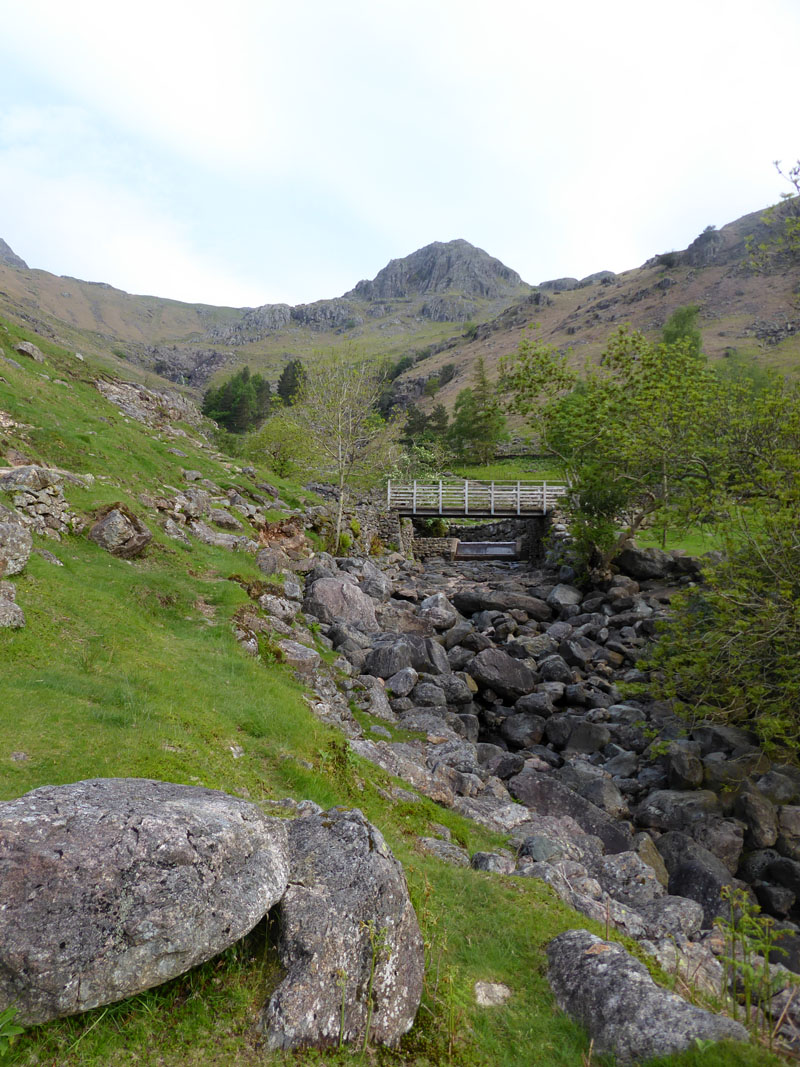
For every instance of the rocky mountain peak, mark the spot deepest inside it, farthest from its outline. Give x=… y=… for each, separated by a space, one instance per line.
x=442 y=267
x=10 y=257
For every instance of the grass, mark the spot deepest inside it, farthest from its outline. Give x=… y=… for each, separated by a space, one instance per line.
x=119 y=673
x=519 y=468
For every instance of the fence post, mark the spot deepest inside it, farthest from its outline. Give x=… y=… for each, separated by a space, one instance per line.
x=491 y=497
x=519 y=499
x=414 y=498
x=440 y=496
x=544 y=498
x=466 y=496
x=389 y=493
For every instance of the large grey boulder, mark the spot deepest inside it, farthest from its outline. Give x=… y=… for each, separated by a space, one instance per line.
x=393 y=652
x=547 y=796
x=120 y=532
x=335 y=598
x=346 y=924
x=502 y=673
x=111 y=886
x=16 y=545
x=610 y=993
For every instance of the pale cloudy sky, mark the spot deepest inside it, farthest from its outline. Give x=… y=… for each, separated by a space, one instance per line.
x=255 y=151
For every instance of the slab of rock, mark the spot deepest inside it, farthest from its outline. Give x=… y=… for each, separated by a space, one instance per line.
x=547 y=796
x=346 y=916
x=27 y=348
x=610 y=993
x=301 y=657
x=111 y=886
x=335 y=598
x=16 y=544
x=120 y=532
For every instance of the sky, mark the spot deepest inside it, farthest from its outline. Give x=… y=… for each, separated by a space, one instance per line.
x=258 y=152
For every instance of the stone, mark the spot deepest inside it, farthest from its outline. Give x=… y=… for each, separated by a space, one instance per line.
x=495 y=862
x=695 y=872
x=491 y=994
x=670 y=916
x=626 y=1014
x=120 y=532
x=644 y=563
x=12 y=617
x=272 y=560
x=111 y=886
x=335 y=598
x=279 y=607
x=401 y=683
x=555 y=669
x=629 y=879
x=303 y=659
x=223 y=518
x=547 y=796
x=438 y=610
x=788 y=843
x=392 y=652
x=446 y=851
x=588 y=737
x=346 y=915
x=27 y=348
x=562 y=596
x=668 y=809
x=502 y=673
x=523 y=730
x=16 y=545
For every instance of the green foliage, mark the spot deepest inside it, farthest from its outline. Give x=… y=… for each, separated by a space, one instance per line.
x=240 y=402
x=290 y=381
x=478 y=421
x=729 y=652
x=681 y=326
x=279 y=443
x=633 y=435
x=8 y=1028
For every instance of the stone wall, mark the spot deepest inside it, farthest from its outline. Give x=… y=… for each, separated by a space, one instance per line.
x=423 y=547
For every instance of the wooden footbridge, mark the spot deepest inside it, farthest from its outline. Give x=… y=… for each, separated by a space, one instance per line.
x=472 y=499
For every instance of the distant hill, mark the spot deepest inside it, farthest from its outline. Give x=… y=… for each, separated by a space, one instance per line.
x=444 y=304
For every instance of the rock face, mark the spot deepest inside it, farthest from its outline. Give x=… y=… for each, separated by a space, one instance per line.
x=333 y=598
x=111 y=886
x=120 y=532
x=346 y=920
x=610 y=993
x=10 y=257
x=438 y=268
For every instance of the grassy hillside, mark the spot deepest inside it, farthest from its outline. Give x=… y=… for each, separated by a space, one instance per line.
x=131 y=669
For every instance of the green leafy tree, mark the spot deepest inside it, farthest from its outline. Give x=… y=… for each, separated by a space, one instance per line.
x=346 y=437
x=478 y=421
x=636 y=435
x=280 y=443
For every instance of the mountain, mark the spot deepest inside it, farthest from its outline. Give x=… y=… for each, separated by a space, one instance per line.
x=442 y=305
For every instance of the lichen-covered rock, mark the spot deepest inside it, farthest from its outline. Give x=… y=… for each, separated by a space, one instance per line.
x=120 y=532
x=610 y=993
x=16 y=545
x=335 y=598
x=111 y=886
x=502 y=673
x=346 y=924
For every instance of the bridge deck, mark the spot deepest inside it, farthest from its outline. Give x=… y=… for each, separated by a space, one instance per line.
x=474 y=499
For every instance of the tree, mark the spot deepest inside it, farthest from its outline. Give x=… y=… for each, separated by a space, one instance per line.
x=682 y=326
x=781 y=245
x=336 y=411
x=290 y=381
x=280 y=442
x=240 y=402
x=478 y=421
x=637 y=435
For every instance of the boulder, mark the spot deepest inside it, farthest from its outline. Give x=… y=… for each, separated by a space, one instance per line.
x=696 y=873
x=547 y=796
x=120 y=532
x=28 y=348
x=335 y=598
x=626 y=1014
x=347 y=929
x=301 y=657
x=111 y=886
x=438 y=610
x=392 y=652
x=502 y=673
x=644 y=563
x=16 y=545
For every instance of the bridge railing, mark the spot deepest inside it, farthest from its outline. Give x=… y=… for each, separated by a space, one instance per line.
x=474 y=497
